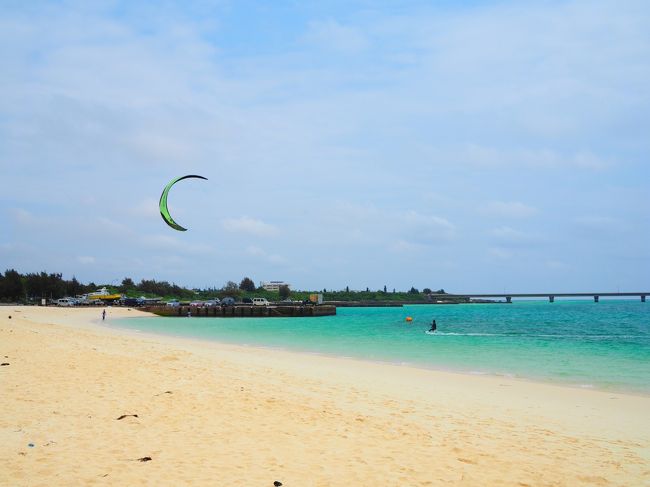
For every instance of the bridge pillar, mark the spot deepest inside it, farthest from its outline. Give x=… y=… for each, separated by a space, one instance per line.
x=596 y=298
x=551 y=299
x=643 y=298
x=508 y=299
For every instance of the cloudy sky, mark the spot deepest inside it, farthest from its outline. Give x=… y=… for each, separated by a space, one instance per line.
x=479 y=146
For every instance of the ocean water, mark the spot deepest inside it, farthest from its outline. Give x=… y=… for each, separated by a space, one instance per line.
x=602 y=345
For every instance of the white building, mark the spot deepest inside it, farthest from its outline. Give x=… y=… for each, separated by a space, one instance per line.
x=274 y=285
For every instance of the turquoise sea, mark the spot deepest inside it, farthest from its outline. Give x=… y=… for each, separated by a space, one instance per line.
x=602 y=345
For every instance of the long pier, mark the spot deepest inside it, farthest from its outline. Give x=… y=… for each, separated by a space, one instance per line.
x=551 y=296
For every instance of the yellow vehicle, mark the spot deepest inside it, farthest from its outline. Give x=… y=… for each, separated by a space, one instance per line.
x=103 y=295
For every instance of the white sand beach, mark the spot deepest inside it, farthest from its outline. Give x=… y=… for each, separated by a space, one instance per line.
x=215 y=414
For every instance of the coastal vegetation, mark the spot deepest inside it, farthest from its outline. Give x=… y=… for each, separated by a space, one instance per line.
x=32 y=287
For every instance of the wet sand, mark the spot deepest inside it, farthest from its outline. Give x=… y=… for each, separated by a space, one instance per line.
x=215 y=414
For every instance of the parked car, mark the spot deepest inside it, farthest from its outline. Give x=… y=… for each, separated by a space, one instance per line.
x=130 y=302
x=174 y=304
x=197 y=304
x=66 y=302
x=247 y=301
x=228 y=301
x=260 y=302
x=212 y=302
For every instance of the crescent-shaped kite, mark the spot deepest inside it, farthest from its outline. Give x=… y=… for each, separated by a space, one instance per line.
x=164 y=212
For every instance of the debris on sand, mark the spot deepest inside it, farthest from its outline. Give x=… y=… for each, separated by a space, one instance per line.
x=127 y=415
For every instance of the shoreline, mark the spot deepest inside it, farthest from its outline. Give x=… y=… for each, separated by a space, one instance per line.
x=211 y=411
x=616 y=389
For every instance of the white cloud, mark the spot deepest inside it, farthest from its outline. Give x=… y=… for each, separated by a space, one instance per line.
x=507 y=209
x=598 y=228
x=404 y=246
x=277 y=259
x=427 y=229
x=255 y=250
x=166 y=146
x=597 y=222
x=22 y=216
x=366 y=225
x=148 y=208
x=508 y=233
x=169 y=243
x=330 y=34
x=493 y=158
x=86 y=259
x=249 y=226
x=510 y=237
x=258 y=252
x=500 y=253
x=555 y=265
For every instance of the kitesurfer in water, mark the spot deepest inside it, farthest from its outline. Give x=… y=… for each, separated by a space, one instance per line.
x=433 y=326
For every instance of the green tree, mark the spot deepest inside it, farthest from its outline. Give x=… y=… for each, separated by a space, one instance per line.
x=230 y=289
x=127 y=283
x=45 y=285
x=284 y=291
x=384 y=288
x=73 y=287
x=247 y=284
x=413 y=291
x=426 y=290
x=12 y=286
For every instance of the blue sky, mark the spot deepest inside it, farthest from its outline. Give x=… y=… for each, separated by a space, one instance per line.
x=476 y=146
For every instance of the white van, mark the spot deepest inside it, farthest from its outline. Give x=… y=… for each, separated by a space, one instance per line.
x=260 y=302
x=65 y=302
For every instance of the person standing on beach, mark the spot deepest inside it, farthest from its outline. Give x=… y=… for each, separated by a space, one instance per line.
x=103 y=314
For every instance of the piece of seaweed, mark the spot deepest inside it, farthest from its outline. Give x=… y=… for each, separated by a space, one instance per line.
x=126 y=416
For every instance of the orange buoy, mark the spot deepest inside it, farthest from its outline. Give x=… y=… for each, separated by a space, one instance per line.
x=408 y=318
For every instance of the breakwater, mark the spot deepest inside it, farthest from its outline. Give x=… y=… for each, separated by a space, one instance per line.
x=243 y=311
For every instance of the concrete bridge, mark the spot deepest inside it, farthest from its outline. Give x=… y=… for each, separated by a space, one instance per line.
x=551 y=296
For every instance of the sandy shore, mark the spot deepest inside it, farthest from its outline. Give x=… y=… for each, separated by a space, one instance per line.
x=213 y=414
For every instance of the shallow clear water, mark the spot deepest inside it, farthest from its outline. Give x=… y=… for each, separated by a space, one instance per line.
x=604 y=345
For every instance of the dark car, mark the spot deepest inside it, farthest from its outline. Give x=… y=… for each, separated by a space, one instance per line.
x=228 y=301
x=247 y=301
x=131 y=302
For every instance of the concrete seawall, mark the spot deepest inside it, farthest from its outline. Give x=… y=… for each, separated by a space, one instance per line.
x=243 y=311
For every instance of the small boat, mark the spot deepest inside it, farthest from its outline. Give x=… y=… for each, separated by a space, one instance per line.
x=103 y=295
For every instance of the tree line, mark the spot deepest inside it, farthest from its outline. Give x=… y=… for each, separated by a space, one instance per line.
x=32 y=287
x=24 y=287
x=17 y=287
